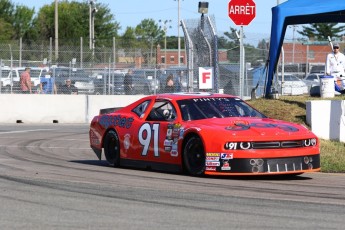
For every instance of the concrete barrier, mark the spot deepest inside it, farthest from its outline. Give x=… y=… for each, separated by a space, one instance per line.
x=38 y=108
x=35 y=108
x=327 y=118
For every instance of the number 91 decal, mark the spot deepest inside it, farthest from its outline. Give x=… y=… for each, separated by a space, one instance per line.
x=235 y=145
x=146 y=134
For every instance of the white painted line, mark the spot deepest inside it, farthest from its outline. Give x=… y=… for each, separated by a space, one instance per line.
x=40 y=147
x=25 y=131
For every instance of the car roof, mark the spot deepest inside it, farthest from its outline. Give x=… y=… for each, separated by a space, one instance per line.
x=191 y=95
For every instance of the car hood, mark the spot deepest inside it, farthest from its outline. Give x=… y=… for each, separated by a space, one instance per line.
x=252 y=128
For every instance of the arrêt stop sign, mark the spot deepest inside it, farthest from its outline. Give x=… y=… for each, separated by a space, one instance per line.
x=241 y=12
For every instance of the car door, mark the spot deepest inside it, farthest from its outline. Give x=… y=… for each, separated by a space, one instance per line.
x=157 y=135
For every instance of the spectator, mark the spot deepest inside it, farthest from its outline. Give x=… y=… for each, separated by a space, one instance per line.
x=169 y=84
x=47 y=84
x=128 y=82
x=335 y=62
x=180 y=79
x=25 y=81
x=68 y=88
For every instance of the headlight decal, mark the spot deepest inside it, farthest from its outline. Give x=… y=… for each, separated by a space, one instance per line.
x=270 y=144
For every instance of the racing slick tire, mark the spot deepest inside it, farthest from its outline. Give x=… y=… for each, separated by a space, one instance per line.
x=194 y=156
x=112 y=148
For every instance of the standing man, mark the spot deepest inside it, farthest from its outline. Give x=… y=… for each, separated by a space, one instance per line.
x=335 y=62
x=128 y=82
x=47 y=84
x=25 y=81
x=335 y=66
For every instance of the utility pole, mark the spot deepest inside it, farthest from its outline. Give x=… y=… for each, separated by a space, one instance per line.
x=165 y=26
x=56 y=31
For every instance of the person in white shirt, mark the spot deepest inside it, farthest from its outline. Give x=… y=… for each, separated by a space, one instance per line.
x=335 y=66
x=335 y=63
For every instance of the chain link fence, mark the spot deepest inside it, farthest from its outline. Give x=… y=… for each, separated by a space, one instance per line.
x=102 y=70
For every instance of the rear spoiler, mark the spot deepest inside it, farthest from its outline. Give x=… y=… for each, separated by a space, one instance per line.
x=109 y=110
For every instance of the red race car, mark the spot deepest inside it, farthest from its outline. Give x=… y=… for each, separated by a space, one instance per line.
x=202 y=133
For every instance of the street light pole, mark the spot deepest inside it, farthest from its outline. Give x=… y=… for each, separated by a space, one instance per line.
x=56 y=31
x=165 y=27
x=178 y=33
x=93 y=11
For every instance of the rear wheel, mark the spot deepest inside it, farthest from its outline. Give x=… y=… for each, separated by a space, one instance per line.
x=112 y=148
x=194 y=156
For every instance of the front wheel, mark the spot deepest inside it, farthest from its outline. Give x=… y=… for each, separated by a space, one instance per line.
x=112 y=148
x=194 y=156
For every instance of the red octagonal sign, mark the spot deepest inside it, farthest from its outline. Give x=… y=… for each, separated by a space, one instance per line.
x=241 y=12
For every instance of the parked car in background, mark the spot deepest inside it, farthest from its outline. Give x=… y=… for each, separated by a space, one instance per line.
x=320 y=68
x=313 y=83
x=152 y=75
x=113 y=83
x=291 y=85
x=79 y=79
x=9 y=79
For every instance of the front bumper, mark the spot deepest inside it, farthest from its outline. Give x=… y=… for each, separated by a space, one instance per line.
x=264 y=166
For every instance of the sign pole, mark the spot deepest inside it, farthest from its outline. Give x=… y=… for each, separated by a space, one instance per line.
x=241 y=63
x=241 y=12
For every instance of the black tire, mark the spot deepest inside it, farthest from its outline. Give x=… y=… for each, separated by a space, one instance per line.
x=194 y=156
x=112 y=148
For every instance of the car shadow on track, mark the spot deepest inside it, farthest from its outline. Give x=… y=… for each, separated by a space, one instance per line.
x=254 y=177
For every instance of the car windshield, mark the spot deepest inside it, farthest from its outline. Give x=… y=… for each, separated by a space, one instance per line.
x=203 y=108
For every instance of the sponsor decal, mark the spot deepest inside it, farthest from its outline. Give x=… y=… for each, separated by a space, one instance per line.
x=181 y=132
x=226 y=156
x=226 y=166
x=212 y=158
x=212 y=163
x=210 y=168
x=117 y=120
x=174 y=153
x=176 y=130
x=167 y=148
x=242 y=126
x=169 y=131
x=168 y=142
x=211 y=99
x=126 y=141
x=213 y=154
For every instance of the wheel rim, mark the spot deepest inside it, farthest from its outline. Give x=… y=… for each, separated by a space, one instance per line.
x=112 y=150
x=195 y=156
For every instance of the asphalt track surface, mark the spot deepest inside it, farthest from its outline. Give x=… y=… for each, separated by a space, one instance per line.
x=51 y=179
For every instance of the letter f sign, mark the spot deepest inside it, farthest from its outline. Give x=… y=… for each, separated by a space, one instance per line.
x=206 y=77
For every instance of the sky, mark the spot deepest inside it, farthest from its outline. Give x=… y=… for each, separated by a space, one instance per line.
x=132 y=12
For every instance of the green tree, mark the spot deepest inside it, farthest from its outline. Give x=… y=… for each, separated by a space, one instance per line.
x=149 y=32
x=320 y=31
x=6 y=30
x=23 y=21
x=74 y=22
x=7 y=10
x=128 y=39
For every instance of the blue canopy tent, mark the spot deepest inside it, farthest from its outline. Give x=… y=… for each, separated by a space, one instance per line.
x=293 y=12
